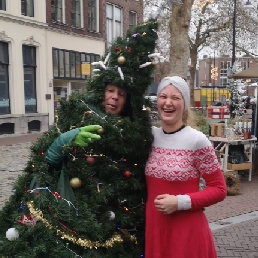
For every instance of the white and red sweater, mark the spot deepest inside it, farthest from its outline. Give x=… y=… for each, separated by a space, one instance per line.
x=174 y=167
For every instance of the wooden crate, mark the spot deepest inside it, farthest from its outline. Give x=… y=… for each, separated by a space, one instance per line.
x=242 y=166
x=217 y=130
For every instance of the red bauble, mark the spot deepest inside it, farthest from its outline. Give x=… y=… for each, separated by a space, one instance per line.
x=74 y=151
x=91 y=160
x=127 y=173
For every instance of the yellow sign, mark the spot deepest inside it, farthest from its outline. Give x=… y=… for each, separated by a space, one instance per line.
x=85 y=68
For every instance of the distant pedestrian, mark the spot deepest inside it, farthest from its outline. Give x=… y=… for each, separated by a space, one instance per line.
x=176 y=226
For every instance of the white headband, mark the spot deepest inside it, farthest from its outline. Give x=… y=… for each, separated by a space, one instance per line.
x=179 y=83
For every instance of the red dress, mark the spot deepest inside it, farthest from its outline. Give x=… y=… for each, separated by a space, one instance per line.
x=176 y=170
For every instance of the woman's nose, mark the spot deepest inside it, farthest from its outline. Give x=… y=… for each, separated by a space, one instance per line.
x=168 y=101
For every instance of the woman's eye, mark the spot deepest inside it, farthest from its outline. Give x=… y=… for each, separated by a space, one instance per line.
x=176 y=98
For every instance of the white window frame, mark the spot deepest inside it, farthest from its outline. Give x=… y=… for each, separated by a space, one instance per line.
x=133 y=25
x=114 y=23
x=63 y=12
x=5 y=3
x=97 y=16
x=81 y=16
x=28 y=14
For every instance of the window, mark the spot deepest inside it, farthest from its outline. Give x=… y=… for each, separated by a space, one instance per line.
x=3 y=5
x=4 y=79
x=224 y=66
x=93 y=15
x=223 y=81
x=29 y=69
x=114 y=22
x=67 y=64
x=132 y=19
x=57 y=10
x=27 y=8
x=245 y=64
x=76 y=13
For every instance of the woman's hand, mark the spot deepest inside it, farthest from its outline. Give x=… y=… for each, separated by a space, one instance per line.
x=166 y=203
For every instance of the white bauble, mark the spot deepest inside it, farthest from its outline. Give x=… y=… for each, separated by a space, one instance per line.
x=112 y=215
x=12 y=234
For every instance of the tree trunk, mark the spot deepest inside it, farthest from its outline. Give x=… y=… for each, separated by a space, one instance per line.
x=178 y=27
x=192 y=69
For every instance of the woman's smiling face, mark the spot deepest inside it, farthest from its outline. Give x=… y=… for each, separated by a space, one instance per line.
x=170 y=105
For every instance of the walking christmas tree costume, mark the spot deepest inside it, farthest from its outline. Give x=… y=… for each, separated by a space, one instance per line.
x=85 y=197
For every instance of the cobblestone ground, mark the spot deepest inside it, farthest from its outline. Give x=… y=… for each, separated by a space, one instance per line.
x=13 y=159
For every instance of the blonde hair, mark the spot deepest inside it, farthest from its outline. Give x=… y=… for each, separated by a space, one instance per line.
x=189 y=118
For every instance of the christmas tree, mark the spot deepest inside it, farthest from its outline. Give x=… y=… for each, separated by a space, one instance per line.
x=91 y=202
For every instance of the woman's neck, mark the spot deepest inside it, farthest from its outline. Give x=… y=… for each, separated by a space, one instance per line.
x=169 y=128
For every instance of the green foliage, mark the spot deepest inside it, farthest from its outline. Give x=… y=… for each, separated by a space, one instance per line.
x=139 y=42
x=124 y=146
x=202 y=122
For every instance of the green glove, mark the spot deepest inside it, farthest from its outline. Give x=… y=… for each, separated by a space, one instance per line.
x=84 y=137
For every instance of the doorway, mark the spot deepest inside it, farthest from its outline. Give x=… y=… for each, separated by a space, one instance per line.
x=60 y=92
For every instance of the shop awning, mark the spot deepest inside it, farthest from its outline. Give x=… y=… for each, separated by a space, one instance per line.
x=249 y=73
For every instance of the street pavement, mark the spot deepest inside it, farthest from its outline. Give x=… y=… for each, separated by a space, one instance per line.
x=234 y=222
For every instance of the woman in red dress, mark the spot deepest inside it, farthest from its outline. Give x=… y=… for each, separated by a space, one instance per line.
x=176 y=226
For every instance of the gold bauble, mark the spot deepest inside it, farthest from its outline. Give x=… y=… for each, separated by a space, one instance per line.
x=75 y=182
x=121 y=60
x=148 y=109
x=100 y=131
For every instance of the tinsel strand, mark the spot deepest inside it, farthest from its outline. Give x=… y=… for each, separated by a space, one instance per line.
x=78 y=241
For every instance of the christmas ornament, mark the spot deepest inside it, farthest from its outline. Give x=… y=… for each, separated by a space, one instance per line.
x=148 y=109
x=21 y=207
x=90 y=160
x=121 y=60
x=127 y=173
x=116 y=238
x=112 y=215
x=89 y=113
x=74 y=151
x=100 y=131
x=135 y=35
x=12 y=234
x=29 y=220
x=75 y=182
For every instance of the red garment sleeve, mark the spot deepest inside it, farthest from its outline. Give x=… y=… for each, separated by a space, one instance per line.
x=206 y=163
